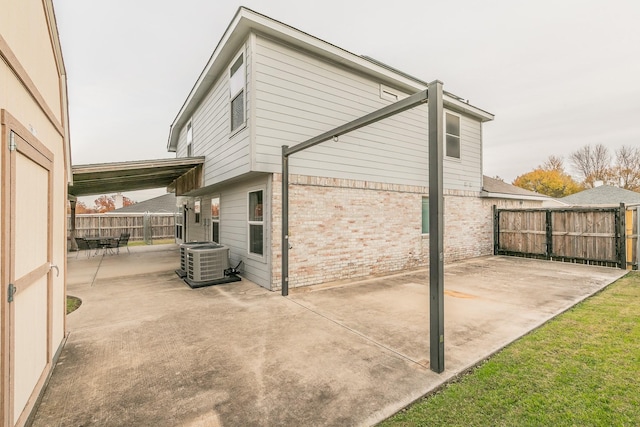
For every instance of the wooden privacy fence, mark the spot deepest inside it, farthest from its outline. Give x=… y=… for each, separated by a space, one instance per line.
x=145 y=227
x=590 y=235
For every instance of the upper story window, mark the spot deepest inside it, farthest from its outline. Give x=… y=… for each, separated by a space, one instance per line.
x=237 y=83
x=452 y=132
x=189 y=139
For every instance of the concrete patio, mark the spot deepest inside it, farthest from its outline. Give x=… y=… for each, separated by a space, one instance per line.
x=145 y=349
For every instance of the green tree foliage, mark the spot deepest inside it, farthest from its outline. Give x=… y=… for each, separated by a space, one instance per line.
x=108 y=203
x=549 y=179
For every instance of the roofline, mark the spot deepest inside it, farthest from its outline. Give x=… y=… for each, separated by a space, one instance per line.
x=246 y=21
x=135 y=164
x=488 y=194
x=54 y=36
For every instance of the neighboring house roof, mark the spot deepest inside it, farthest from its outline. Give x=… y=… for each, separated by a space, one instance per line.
x=247 y=21
x=496 y=188
x=161 y=204
x=603 y=195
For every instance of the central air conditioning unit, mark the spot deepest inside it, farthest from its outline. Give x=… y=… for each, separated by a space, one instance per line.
x=207 y=263
x=182 y=271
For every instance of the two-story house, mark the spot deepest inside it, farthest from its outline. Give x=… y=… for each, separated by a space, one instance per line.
x=357 y=205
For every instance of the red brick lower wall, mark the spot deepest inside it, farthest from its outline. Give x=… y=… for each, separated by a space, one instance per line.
x=343 y=229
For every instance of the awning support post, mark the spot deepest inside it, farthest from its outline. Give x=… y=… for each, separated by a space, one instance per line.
x=436 y=227
x=285 y=221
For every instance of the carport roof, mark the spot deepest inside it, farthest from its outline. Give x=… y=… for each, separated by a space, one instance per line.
x=103 y=178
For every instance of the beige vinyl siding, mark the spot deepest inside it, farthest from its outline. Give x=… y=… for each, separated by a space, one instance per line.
x=299 y=96
x=233 y=229
x=227 y=155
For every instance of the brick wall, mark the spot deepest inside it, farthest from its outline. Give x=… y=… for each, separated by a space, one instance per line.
x=343 y=229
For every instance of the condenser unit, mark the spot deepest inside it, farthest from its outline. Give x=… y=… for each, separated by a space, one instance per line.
x=207 y=263
x=182 y=271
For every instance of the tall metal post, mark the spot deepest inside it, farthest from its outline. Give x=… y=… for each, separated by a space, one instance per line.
x=622 y=238
x=285 y=221
x=436 y=227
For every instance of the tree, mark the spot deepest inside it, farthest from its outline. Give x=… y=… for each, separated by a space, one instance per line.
x=593 y=164
x=81 y=208
x=108 y=203
x=550 y=182
x=553 y=163
x=627 y=167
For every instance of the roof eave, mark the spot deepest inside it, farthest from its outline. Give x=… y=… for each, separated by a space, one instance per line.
x=490 y=195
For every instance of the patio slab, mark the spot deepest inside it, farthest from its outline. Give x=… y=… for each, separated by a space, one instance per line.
x=145 y=349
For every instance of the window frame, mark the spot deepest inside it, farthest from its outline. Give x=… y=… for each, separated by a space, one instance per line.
x=179 y=226
x=251 y=222
x=215 y=220
x=234 y=95
x=189 y=138
x=197 y=205
x=425 y=202
x=447 y=134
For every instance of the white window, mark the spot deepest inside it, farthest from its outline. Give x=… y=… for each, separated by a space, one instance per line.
x=179 y=226
x=189 y=139
x=452 y=135
x=256 y=223
x=425 y=215
x=237 y=83
x=215 y=219
x=196 y=211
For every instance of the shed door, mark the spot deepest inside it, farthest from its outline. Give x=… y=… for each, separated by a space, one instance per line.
x=29 y=314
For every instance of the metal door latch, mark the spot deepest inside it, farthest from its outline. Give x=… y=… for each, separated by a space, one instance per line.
x=51 y=267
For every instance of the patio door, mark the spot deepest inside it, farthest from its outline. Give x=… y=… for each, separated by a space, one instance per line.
x=27 y=303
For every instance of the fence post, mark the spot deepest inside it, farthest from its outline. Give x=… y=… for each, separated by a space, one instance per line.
x=622 y=239
x=146 y=229
x=496 y=230
x=549 y=230
x=628 y=233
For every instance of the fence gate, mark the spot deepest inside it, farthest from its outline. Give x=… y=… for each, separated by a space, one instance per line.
x=581 y=235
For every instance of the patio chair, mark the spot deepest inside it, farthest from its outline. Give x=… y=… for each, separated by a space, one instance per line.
x=83 y=245
x=122 y=241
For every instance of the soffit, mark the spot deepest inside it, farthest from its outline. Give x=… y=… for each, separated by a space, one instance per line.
x=105 y=178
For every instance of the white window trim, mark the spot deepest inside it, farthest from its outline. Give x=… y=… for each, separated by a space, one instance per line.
x=421 y=218
x=250 y=223
x=197 y=211
x=213 y=220
x=188 y=128
x=444 y=118
x=232 y=96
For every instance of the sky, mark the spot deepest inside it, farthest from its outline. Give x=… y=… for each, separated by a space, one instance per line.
x=557 y=74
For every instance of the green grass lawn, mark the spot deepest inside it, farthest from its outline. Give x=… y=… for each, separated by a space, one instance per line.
x=73 y=303
x=155 y=242
x=580 y=369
